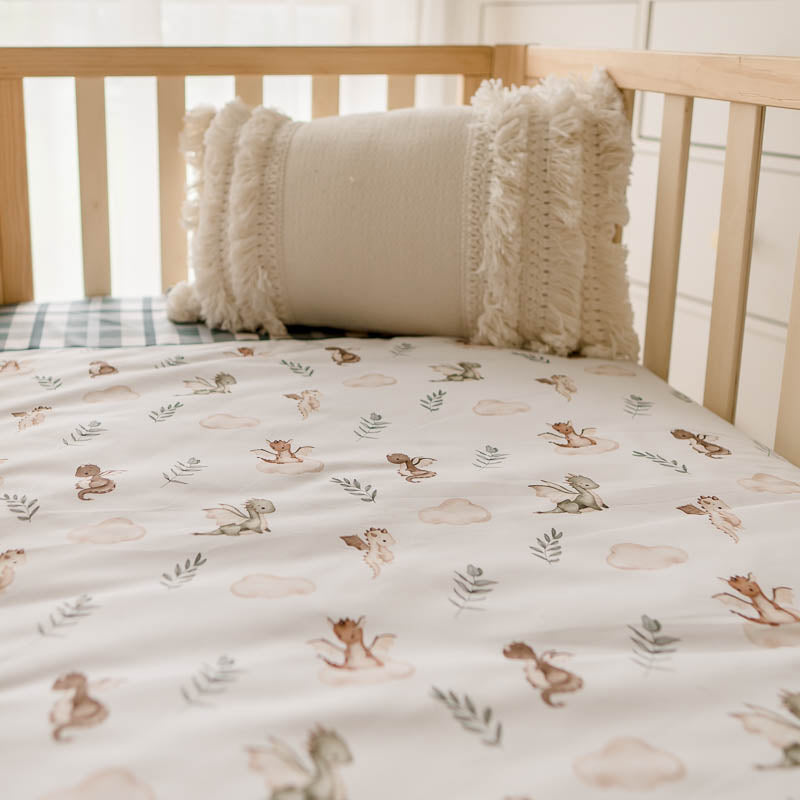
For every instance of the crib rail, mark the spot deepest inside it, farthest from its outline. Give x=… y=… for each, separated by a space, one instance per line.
x=748 y=83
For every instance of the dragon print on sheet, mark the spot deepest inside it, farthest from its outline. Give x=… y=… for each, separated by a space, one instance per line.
x=29 y=419
x=779 y=730
x=719 y=515
x=563 y=384
x=288 y=778
x=354 y=662
x=458 y=372
x=307 y=400
x=77 y=708
x=542 y=674
x=341 y=356
x=99 y=368
x=376 y=546
x=233 y=521
x=412 y=469
x=285 y=461
x=568 y=441
x=93 y=480
x=220 y=385
x=579 y=498
x=9 y=561
x=701 y=443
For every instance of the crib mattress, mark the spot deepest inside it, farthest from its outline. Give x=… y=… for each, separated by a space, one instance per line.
x=364 y=568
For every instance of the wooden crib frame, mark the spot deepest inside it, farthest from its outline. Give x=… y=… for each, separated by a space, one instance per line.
x=748 y=83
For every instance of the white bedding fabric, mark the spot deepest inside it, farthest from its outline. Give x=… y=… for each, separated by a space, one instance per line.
x=140 y=661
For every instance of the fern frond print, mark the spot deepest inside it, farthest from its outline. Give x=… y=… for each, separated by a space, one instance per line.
x=182 y=574
x=466 y=713
x=210 y=680
x=48 y=382
x=66 y=614
x=531 y=356
x=165 y=412
x=651 y=649
x=298 y=369
x=182 y=469
x=365 y=493
x=662 y=461
x=637 y=406
x=85 y=433
x=433 y=402
x=401 y=349
x=370 y=427
x=175 y=361
x=21 y=506
x=549 y=548
x=470 y=589
x=488 y=458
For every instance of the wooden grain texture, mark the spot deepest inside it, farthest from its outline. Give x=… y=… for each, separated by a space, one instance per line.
x=673 y=161
x=16 y=62
x=324 y=96
x=250 y=88
x=16 y=268
x=757 y=80
x=171 y=93
x=735 y=247
x=787 y=434
x=400 y=91
x=468 y=85
x=90 y=108
x=509 y=64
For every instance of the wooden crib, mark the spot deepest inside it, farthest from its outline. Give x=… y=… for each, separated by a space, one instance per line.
x=748 y=83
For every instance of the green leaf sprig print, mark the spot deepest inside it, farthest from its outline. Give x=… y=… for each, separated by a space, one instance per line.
x=651 y=648
x=549 y=548
x=662 y=461
x=636 y=406
x=470 y=590
x=353 y=486
x=372 y=426
x=466 y=713
x=174 y=361
x=489 y=458
x=531 y=356
x=433 y=402
x=68 y=613
x=21 y=506
x=48 y=382
x=681 y=396
x=298 y=369
x=165 y=412
x=210 y=680
x=85 y=433
x=401 y=349
x=181 y=470
x=183 y=573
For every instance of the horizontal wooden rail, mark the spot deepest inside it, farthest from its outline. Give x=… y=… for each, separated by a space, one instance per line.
x=758 y=80
x=98 y=62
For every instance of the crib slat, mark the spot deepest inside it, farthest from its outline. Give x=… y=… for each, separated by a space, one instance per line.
x=90 y=106
x=250 y=88
x=509 y=63
x=16 y=268
x=324 y=96
x=787 y=434
x=469 y=85
x=732 y=272
x=673 y=160
x=171 y=179
x=400 y=91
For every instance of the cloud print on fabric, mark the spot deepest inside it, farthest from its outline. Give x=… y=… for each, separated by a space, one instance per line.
x=271 y=587
x=455 y=511
x=109 y=531
x=628 y=763
x=227 y=422
x=371 y=381
x=116 y=783
x=763 y=482
x=627 y=555
x=113 y=394
x=500 y=408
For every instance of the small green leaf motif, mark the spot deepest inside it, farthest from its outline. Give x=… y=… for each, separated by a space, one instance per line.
x=84 y=433
x=549 y=548
x=470 y=589
x=651 y=652
x=401 y=349
x=165 y=412
x=636 y=406
x=182 y=469
x=21 y=506
x=298 y=369
x=489 y=458
x=662 y=461
x=371 y=427
x=182 y=574
x=353 y=486
x=433 y=402
x=68 y=613
x=48 y=382
x=210 y=680
x=174 y=361
x=531 y=356
x=471 y=719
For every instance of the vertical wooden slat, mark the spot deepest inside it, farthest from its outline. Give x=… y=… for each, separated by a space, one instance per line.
x=673 y=161
x=324 y=96
x=16 y=268
x=171 y=179
x=90 y=107
x=509 y=63
x=787 y=435
x=732 y=272
x=400 y=91
x=250 y=88
x=468 y=86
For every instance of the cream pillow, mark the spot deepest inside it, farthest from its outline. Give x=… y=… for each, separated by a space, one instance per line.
x=492 y=223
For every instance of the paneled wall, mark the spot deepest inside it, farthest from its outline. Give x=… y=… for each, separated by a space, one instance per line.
x=741 y=26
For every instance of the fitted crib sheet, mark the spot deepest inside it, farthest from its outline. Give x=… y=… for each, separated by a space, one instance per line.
x=365 y=568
